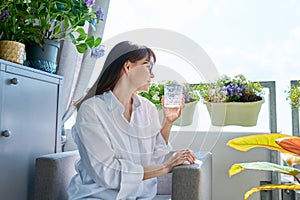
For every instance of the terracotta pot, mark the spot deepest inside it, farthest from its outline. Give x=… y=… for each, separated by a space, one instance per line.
x=234 y=113
x=12 y=51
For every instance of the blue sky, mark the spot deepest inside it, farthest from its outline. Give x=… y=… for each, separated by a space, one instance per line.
x=258 y=38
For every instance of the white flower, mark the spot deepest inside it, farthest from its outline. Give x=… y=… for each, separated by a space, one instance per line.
x=156 y=97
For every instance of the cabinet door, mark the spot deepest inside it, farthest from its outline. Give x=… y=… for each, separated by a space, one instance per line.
x=29 y=109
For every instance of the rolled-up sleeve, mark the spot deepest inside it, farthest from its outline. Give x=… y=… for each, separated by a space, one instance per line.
x=160 y=148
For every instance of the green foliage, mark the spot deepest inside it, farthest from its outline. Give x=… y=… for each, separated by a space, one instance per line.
x=294 y=96
x=59 y=19
x=36 y=20
x=289 y=145
x=16 y=22
x=156 y=91
x=226 y=89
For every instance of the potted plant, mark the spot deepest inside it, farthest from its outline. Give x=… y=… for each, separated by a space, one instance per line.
x=288 y=145
x=15 y=30
x=191 y=98
x=294 y=95
x=59 y=20
x=232 y=101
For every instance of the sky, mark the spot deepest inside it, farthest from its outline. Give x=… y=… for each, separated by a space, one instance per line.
x=257 y=38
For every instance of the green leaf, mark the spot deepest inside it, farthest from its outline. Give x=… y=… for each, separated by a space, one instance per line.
x=81 y=48
x=271 y=187
x=81 y=37
x=258 y=140
x=90 y=41
x=265 y=166
x=72 y=37
x=81 y=31
x=97 y=42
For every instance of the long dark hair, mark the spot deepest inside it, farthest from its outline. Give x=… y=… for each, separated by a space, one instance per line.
x=111 y=71
x=111 y=74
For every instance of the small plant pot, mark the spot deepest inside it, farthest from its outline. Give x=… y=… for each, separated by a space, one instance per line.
x=234 y=113
x=12 y=51
x=43 y=59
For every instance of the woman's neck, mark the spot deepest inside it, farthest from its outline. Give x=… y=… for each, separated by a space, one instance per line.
x=124 y=94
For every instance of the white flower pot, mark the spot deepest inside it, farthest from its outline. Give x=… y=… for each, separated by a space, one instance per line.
x=234 y=113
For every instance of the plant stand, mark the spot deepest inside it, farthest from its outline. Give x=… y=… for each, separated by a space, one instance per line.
x=234 y=113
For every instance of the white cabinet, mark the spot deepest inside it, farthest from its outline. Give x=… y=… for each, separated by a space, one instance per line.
x=30 y=125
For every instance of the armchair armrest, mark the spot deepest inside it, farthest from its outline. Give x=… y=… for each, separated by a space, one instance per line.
x=53 y=173
x=193 y=182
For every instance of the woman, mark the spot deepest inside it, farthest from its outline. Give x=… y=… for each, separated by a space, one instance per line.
x=119 y=137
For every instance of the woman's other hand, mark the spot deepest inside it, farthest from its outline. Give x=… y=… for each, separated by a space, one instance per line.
x=180 y=157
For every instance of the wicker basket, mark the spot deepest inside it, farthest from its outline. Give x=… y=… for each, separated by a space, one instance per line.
x=12 y=51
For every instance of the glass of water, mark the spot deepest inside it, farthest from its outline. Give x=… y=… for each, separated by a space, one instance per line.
x=173 y=95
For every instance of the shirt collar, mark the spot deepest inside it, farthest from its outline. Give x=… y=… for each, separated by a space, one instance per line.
x=113 y=103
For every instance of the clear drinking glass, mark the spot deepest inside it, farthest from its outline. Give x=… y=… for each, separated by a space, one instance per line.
x=173 y=95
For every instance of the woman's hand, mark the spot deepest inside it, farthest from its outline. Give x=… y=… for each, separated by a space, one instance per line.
x=180 y=157
x=171 y=114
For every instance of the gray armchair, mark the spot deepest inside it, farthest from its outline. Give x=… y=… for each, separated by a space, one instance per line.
x=53 y=173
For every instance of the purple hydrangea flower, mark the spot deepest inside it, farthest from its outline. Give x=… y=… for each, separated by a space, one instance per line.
x=89 y=3
x=100 y=13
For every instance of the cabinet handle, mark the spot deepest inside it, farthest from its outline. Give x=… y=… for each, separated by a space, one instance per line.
x=5 y=133
x=14 y=81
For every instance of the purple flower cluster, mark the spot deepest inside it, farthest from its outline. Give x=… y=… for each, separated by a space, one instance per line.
x=98 y=52
x=234 y=89
x=4 y=15
x=89 y=3
x=100 y=13
x=187 y=97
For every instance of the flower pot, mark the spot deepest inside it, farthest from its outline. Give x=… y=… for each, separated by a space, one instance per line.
x=12 y=51
x=234 y=113
x=45 y=60
x=187 y=114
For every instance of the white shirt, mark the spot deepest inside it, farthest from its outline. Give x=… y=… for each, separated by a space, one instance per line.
x=114 y=151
